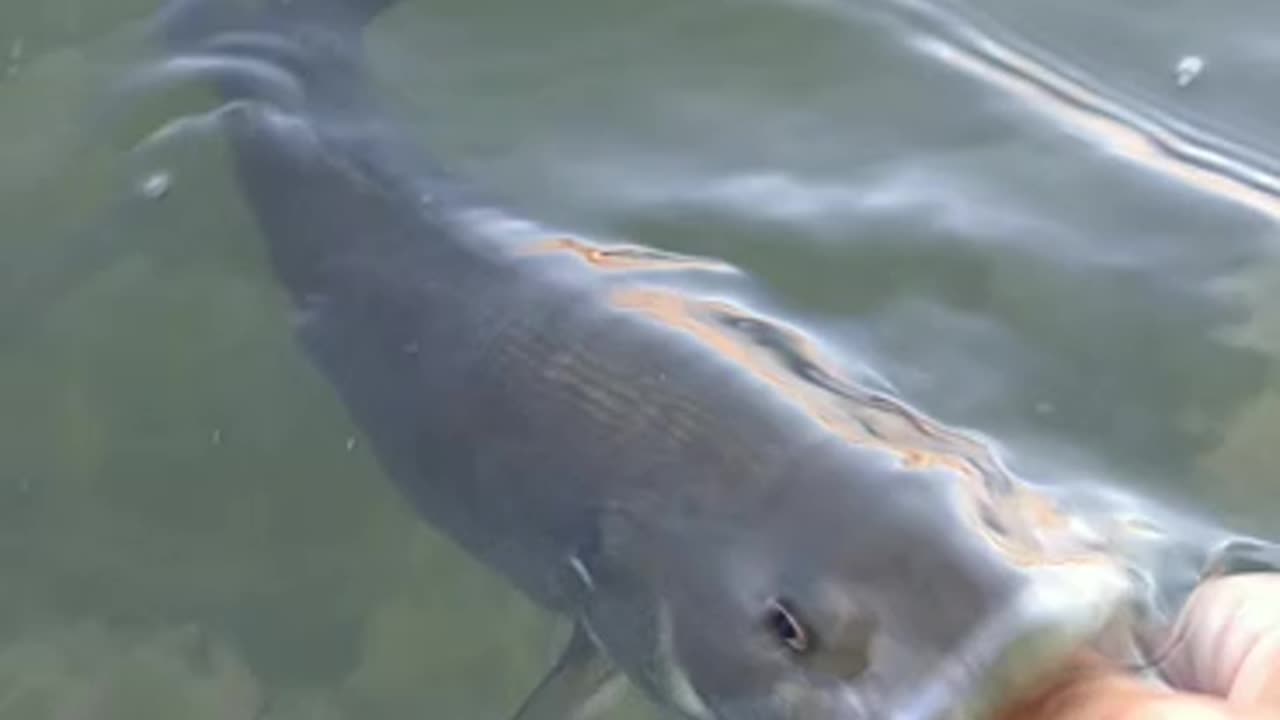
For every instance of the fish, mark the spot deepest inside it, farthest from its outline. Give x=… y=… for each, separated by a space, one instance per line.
x=730 y=522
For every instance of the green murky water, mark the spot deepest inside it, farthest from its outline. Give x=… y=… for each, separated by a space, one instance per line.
x=1015 y=212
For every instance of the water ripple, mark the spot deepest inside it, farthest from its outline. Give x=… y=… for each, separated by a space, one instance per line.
x=1157 y=141
x=1208 y=163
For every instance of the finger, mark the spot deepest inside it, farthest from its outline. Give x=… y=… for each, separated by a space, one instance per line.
x=1229 y=640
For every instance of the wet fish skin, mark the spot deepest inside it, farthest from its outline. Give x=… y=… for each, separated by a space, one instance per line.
x=601 y=438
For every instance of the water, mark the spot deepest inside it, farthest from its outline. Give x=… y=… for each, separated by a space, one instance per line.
x=1015 y=213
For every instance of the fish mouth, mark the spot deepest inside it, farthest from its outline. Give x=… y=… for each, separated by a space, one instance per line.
x=1061 y=611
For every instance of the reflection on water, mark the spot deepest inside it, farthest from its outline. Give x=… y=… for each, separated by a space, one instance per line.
x=192 y=526
x=1183 y=153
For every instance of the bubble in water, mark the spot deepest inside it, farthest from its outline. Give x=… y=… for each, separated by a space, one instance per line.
x=351 y=443
x=156 y=185
x=1189 y=68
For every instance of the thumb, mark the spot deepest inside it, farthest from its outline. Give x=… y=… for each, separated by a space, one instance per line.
x=1228 y=641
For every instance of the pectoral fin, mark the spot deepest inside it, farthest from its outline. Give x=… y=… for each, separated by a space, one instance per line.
x=576 y=687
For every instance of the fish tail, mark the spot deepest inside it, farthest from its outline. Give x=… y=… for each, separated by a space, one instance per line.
x=188 y=23
x=315 y=45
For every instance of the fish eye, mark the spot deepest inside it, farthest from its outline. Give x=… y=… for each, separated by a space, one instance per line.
x=785 y=627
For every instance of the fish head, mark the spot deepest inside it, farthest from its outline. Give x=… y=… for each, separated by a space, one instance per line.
x=880 y=592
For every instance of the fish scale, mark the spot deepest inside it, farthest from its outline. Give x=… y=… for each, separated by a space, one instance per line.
x=665 y=467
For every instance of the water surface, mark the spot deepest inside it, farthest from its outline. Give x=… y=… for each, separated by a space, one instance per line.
x=1012 y=213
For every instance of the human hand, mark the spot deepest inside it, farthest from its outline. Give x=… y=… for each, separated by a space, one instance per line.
x=1225 y=664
